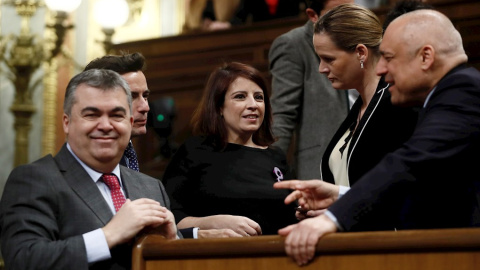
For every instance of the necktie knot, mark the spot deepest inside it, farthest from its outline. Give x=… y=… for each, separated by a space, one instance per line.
x=111 y=181
x=117 y=196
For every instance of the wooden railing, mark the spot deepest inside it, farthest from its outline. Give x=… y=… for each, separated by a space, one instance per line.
x=457 y=249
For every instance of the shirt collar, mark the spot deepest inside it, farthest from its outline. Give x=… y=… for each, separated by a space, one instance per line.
x=95 y=175
x=428 y=97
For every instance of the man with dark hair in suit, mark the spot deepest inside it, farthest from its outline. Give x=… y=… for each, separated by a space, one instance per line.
x=429 y=182
x=306 y=109
x=80 y=209
x=131 y=67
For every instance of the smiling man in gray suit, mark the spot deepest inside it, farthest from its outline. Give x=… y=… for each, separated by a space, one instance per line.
x=304 y=103
x=62 y=212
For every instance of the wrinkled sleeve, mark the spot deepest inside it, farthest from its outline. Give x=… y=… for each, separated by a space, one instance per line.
x=287 y=73
x=29 y=223
x=175 y=180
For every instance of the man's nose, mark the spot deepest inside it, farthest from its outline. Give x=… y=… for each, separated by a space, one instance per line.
x=104 y=123
x=381 y=68
x=143 y=105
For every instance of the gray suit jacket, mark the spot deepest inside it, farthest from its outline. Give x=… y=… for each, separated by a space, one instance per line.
x=47 y=206
x=303 y=100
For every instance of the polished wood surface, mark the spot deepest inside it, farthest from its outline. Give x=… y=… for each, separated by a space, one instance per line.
x=178 y=66
x=418 y=249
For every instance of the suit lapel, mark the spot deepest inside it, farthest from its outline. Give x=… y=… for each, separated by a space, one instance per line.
x=81 y=183
x=138 y=186
x=131 y=184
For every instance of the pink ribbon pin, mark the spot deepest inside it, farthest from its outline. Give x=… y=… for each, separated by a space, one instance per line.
x=278 y=173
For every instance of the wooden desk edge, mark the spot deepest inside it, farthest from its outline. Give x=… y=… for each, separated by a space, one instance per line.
x=156 y=247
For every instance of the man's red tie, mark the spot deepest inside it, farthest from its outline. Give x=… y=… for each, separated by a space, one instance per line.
x=117 y=196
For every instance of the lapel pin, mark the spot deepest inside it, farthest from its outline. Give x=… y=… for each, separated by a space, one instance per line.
x=278 y=173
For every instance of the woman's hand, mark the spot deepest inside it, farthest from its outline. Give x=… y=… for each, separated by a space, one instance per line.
x=238 y=224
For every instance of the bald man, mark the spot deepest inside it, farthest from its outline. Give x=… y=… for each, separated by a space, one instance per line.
x=432 y=180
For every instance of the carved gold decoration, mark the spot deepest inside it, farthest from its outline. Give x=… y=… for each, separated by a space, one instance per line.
x=49 y=107
x=25 y=55
x=22 y=60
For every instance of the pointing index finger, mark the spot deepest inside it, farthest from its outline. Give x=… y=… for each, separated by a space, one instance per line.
x=290 y=184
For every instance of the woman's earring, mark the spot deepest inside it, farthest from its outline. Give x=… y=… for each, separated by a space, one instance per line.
x=361 y=64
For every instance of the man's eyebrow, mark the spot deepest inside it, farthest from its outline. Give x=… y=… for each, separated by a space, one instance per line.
x=119 y=109
x=95 y=109
x=383 y=53
x=146 y=92
x=91 y=109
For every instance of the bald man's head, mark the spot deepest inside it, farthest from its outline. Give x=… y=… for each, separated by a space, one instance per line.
x=429 y=27
x=418 y=49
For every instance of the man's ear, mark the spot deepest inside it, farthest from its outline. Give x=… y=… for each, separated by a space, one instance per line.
x=427 y=56
x=65 y=122
x=312 y=15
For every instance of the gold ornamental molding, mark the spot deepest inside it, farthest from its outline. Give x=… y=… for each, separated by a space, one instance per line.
x=49 y=125
x=24 y=54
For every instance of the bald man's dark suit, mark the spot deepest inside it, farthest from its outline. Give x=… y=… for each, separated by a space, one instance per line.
x=432 y=181
x=47 y=206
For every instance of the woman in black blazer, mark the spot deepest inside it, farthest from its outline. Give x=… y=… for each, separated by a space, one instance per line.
x=373 y=127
